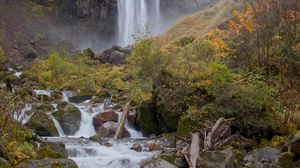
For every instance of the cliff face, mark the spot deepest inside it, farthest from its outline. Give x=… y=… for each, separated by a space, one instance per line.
x=106 y=9
x=98 y=9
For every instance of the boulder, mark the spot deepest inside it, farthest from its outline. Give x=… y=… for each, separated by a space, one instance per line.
x=42 y=124
x=216 y=159
x=103 y=117
x=180 y=162
x=137 y=147
x=283 y=160
x=131 y=118
x=154 y=147
x=268 y=157
x=109 y=129
x=96 y=138
x=157 y=163
x=79 y=98
x=48 y=163
x=115 y=55
x=51 y=150
x=165 y=141
x=69 y=118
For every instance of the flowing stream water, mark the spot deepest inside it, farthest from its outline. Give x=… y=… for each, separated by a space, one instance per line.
x=137 y=17
x=89 y=154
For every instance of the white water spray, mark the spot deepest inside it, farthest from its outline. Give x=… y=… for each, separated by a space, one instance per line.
x=137 y=17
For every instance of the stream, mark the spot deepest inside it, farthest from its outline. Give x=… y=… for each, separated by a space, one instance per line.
x=90 y=154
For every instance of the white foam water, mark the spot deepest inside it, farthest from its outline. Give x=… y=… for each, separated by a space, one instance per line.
x=60 y=131
x=42 y=92
x=89 y=154
x=94 y=155
x=21 y=115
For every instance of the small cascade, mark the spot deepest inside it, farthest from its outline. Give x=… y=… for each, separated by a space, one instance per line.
x=87 y=113
x=21 y=115
x=42 y=92
x=93 y=155
x=60 y=131
x=133 y=132
x=16 y=73
x=137 y=17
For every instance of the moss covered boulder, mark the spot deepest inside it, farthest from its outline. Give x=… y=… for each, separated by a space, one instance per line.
x=81 y=97
x=147 y=120
x=69 y=118
x=42 y=124
x=48 y=163
x=216 y=159
x=51 y=150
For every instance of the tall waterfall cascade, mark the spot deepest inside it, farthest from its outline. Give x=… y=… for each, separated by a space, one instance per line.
x=137 y=18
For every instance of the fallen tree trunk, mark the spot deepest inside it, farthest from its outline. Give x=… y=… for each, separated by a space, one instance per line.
x=208 y=139
x=194 y=150
x=121 y=126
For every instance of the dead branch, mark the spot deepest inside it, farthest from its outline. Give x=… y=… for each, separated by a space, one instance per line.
x=121 y=126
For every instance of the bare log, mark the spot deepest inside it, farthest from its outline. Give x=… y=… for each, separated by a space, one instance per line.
x=208 y=139
x=194 y=150
x=121 y=126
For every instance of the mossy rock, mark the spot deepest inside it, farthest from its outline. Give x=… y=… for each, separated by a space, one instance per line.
x=284 y=160
x=48 y=152
x=44 y=107
x=42 y=124
x=170 y=157
x=187 y=124
x=69 y=118
x=147 y=120
x=81 y=97
x=48 y=163
x=96 y=138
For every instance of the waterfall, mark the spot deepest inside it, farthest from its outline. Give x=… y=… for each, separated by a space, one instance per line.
x=137 y=18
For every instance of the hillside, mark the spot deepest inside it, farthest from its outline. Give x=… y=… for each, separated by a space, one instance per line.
x=202 y=22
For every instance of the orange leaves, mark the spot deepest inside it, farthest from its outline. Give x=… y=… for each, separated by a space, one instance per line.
x=243 y=21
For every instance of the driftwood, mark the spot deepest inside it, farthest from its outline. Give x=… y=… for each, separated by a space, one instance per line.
x=121 y=126
x=194 y=150
x=212 y=137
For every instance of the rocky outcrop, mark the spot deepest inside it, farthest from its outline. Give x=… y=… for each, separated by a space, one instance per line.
x=116 y=55
x=216 y=159
x=103 y=117
x=98 y=9
x=268 y=157
x=109 y=129
x=69 y=118
x=42 y=124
